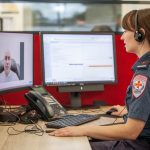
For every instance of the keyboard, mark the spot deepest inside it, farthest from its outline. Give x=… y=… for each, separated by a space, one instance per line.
x=71 y=120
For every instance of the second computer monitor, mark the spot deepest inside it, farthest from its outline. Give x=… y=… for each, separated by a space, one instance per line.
x=72 y=58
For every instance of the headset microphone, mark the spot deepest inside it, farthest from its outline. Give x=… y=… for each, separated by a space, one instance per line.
x=138 y=35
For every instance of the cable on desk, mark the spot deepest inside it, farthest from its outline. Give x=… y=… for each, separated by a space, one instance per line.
x=8 y=117
x=8 y=109
x=36 y=129
x=32 y=129
x=3 y=102
x=1 y=99
x=12 y=128
x=7 y=123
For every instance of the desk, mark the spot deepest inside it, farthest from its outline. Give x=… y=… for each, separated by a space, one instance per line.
x=26 y=141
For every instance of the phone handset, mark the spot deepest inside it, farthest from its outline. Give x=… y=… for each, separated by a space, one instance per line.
x=40 y=104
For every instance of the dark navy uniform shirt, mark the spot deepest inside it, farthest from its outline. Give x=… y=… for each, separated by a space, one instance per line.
x=138 y=94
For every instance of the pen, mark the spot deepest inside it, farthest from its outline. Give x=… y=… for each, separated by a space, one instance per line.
x=30 y=130
x=49 y=131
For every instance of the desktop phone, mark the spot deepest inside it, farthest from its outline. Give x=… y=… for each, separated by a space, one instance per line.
x=44 y=103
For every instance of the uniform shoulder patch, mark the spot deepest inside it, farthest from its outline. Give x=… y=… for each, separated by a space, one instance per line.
x=139 y=84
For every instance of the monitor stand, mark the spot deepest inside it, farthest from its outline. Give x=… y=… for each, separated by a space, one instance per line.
x=75 y=99
x=74 y=91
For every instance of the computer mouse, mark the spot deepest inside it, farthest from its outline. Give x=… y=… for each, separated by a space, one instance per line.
x=111 y=110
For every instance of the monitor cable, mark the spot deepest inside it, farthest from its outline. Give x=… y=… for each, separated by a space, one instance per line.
x=119 y=114
x=7 y=116
x=116 y=117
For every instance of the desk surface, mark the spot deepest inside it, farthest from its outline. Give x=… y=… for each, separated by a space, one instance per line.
x=26 y=141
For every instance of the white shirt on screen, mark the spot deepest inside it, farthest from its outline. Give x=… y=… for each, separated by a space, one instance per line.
x=11 y=77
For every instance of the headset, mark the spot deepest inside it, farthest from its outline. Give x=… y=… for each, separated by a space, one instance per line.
x=138 y=35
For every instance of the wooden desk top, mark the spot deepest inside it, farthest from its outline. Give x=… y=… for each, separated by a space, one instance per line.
x=27 y=141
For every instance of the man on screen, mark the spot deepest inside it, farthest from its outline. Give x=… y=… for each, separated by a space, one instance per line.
x=8 y=75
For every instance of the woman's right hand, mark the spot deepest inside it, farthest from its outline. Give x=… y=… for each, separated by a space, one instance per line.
x=121 y=110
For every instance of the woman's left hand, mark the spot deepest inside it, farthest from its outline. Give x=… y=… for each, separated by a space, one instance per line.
x=69 y=131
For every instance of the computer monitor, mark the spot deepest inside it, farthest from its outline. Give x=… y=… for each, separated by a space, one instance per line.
x=16 y=60
x=78 y=61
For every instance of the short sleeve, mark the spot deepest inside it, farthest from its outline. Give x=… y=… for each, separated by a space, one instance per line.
x=140 y=106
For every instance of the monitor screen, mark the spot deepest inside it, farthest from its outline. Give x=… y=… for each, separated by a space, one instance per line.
x=78 y=58
x=16 y=60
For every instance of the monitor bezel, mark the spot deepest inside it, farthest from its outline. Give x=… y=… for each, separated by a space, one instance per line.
x=79 y=83
x=17 y=88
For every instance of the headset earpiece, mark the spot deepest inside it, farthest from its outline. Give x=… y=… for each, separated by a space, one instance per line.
x=138 y=35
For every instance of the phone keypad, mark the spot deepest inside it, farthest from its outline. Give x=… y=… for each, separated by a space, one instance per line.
x=57 y=109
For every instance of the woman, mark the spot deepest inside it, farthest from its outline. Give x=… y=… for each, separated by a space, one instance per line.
x=135 y=133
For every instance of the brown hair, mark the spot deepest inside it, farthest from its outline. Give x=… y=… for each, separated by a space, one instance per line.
x=143 y=21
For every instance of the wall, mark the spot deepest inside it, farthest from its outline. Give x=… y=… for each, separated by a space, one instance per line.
x=113 y=94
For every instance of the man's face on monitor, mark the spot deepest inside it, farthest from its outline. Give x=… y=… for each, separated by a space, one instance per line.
x=7 y=63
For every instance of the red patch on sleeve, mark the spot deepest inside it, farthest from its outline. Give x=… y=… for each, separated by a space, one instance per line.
x=139 y=84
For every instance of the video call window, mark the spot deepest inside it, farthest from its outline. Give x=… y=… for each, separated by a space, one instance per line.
x=16 y=60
